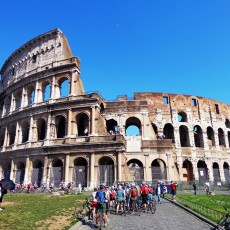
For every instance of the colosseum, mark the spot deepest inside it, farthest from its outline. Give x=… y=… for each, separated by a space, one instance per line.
x=52 y=131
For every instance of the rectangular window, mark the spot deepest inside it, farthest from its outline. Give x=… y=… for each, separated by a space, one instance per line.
x=194 y=102
x=165 y=100
x=217 y=109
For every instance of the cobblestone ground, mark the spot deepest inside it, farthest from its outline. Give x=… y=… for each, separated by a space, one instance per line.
x=168 y=216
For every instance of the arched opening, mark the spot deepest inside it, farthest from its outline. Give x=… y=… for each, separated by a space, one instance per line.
x=221 y=137
x=20 y=173
x=30 y=95
x=159 y=171
x=182 y=117
x=111 y=126
x=216 y=172
x=184 y=136
x=133 y=127
x=56 y=172
x=227 y=123
x=203 y=171
x=37 y=172
x=187 y=171
x=106 y=170
x=136 y=169
x=198 y=136
x=169 y=132
x=226 y=172
x=63 y=87
x=60 y=126
x=46 y=91
x=102 y=107
x=12 y=132
x=6 y=171
x=210 y=136
x=7 y=104
x=25 y=132
x=41 y=129
x=18 y=99
x=155 y=129
x=82 y=121
x=1 y=108
x=2 y=135
x=80 y=171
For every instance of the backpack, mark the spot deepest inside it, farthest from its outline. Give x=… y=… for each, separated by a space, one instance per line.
x=151 y=190
x=100 y=197
x=145 y=190
x=113 y=195
x=133 y=192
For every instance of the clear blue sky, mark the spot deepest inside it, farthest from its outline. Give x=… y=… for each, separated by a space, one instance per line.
x=174 y=46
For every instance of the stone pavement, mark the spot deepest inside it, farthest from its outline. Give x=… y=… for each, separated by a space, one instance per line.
x=168 y=216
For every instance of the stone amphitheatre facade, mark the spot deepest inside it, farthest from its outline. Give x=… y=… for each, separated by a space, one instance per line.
x=47 y=135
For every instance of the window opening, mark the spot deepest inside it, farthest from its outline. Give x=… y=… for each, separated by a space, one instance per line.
x=165 y=100
x=217 y=109
x=194 y=102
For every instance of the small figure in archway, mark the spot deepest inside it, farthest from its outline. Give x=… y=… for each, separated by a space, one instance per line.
x=194 y=187
x=206 y=188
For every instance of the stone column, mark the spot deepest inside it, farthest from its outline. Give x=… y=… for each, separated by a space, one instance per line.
x=92 y=129
x=195 y=170
x=119 y=170
x=53 y=88
x=45 y=169
x=6 y=141
x=69 y=124
x=37 y=93
x=12 y=104
x=31 y=133
x=92 y=176
x=26 y=181
x=226 y=140
x=24 y=96
x=17 y=134
x=12 y=170
x=67 y=168
x=71 y=83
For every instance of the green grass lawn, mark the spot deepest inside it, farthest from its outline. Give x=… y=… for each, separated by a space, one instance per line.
x=38 y=211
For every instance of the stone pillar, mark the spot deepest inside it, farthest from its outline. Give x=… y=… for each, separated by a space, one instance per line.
x=12 y=170
x=24 y=97
x=26 y=181
x=92 y=128
x=69 y=124
x=67 y=168
x=31 y=133
x=17 y=132
x=53 y=88
x=205 y=140
x=222 y=177
x=71 y=83
x=143 y=125
x=6 y=141
x=37 y=93
x=226 y=140
x=210 y=172
x=92 y=176
x=195 y=170
x=48 y=127
x=119 y=170
x=12 y=104
x=45 y=169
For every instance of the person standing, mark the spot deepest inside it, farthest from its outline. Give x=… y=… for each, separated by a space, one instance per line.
x=158 y=193
x=173 y=187
x=3 y=191
x=194 y=188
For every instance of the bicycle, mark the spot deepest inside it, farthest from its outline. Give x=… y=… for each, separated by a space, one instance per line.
x=224 y=222
x=150 y=206
x=85 y=210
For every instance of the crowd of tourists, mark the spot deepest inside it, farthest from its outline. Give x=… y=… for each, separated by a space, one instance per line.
x=104 y=197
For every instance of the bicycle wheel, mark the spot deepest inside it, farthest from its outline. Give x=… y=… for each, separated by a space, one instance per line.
x=154 y=205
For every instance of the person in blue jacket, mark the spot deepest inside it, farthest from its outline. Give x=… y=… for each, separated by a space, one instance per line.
x=158 y=192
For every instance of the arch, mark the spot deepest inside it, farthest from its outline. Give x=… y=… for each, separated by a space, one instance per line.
x=60 y=122
x=46 y=91
x=198 y=136
x=102 y=107
x=41 y=129
x=30 y=95
x=63 y=85
x=17 y=99
x=221 y=137
x=133 y=127
x=80 y=171
x=82 y=121
x=20 y=173
x=227 y=123
x=106 y=170
x=226 y=171
x=187 y=171
x=2 y=135
x=11 y=134
x=202 y=171
x=25 y=131
x=7 y=103
x=37 y=172
x=210 y=136
x=111 y=126
x=182 y=117
x=169 y=132
x=56 y=172
x=6 y=170
x=159 y=171
x=216 y=172
x=184 y=136
x=136 y=169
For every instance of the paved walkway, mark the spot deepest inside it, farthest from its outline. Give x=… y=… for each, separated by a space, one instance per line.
x=167 y=217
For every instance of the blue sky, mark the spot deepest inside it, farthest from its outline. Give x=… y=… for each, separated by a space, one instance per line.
x=174 y=46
